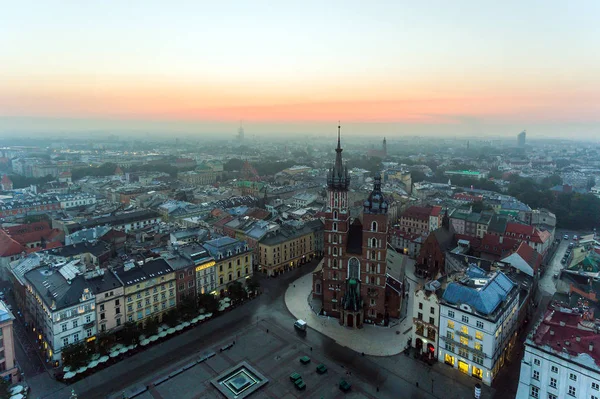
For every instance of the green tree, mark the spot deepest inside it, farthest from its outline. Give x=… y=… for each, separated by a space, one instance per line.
x=150 y=326
x=236 y=291
x=208 y=302
x=188 y=307
x=233 y=165
x=76 y=355
x=551 y=181
x=104 y=342
x=252 y=284
x=4 y=388
x=130 y=333
x=171 y=318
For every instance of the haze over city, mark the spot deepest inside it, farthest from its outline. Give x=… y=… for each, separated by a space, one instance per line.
x=395 y=68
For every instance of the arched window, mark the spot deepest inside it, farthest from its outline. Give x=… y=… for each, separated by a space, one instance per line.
x=374 y=242
x=335 y=215
x=335 y=252
x=374 y=226
x=353 y=268
x=334 y=226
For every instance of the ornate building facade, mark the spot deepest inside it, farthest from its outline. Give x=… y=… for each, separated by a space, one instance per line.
x=351 y=281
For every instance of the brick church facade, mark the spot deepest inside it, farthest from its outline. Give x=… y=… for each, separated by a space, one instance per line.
x=351 y=279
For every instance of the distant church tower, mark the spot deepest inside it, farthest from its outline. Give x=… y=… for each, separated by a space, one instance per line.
x=384 y=147
x=240 y=135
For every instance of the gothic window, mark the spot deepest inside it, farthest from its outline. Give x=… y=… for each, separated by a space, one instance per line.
x=374 y=242
x=335 y=215
x=335 y=252
x=374 y=226
x=353 y=268
x=334 y=227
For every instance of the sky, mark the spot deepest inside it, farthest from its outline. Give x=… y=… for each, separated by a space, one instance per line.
x=386 y=67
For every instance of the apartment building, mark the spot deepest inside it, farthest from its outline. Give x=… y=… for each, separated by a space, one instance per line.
x=426 y=318
x=478 y=321
x=562 y=354
x=8 y=366
x=60 y=307
x=286 y=248
x=233 y=261
x=108 y=291
x=149 y=289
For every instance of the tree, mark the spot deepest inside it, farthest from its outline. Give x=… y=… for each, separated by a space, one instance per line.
x=252 y=284
x=104 y=342
x=4 y=388
x=208 y=302
x=130 y=333
x=188 y=307
x=551 y=181
x=150 y=326
x=233 y=164
x=75 y=355
x=236 y=291
x=170 y=318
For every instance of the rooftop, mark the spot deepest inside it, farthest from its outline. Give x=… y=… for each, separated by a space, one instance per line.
x=131 y=273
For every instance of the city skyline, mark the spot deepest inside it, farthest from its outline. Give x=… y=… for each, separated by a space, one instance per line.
x=391 y=69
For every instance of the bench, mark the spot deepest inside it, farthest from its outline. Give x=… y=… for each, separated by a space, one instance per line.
x=295 y=377
x=345 y=385
x=300 y=385
x=321 y=369
x=305 y=360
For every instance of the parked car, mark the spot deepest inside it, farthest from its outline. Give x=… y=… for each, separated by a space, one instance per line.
x=555 y=275
x=566 y=237
x=575 y=237
x=563 y=261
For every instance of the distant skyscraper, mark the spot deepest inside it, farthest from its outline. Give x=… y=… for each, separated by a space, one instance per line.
x=521 y=137
x=240 y=135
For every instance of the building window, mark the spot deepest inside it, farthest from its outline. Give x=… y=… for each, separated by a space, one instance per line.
x=64 y=327
x=451 y=313
x=479 y=335
x=552 y=382
x=75 y=338
x=535 y=392
x=88 y=332
x=420 y=306
x=477 y=359
x=464 y=330
x=451 y=324
x=595 y=386
x=102 y=316
x=181 y=275
x=536 y=361
x=464 y=341
x=554 y=369
x=420 y=316
x=552 y=396
x=478 y=346
x=190 y=284
x=374 y=226
x=480 y=324
x=432 y=310
x=334 y=227
x=65 y=341
x=572 y=377
x=463 y=353
x=102 y=307
x=536 y=375
x=465 y=319
x=74 y=323
x=572 y=390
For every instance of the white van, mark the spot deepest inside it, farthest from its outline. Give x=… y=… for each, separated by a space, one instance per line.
x=300 y=325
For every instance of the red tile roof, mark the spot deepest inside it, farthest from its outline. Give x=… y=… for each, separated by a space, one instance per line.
x=574 y=337
x=436 y=210
x=257 y=213
x=529 y=255
x=65 y=174
x=6 y=180
x=417 y=212
x=8 y=246
x=34 y=232
x=518 y=229
x=222 y=222
x=490 y=244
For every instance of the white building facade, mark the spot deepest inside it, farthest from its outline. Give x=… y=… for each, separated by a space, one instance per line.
x=68 y=201
x=426 y=320
x=60 y=307
x=478 y=319
x=561 y=358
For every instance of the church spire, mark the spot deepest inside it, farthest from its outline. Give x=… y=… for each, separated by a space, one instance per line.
x=338 y=176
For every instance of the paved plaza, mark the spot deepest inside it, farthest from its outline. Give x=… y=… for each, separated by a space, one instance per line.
x=274 y=354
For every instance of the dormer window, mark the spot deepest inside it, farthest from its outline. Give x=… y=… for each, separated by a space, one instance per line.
x=228 y=253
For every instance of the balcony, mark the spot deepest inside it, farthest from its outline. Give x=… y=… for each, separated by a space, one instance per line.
x=89 y=325
x=462 y=334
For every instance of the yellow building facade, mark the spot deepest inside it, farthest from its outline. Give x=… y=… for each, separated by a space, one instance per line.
x=286 y=249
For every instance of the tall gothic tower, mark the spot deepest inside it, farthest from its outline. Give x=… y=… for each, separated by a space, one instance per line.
x=337 y=224
x=384 y=147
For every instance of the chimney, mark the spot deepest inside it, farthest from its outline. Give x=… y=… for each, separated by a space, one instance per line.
x=567 y=343
x=562 y=323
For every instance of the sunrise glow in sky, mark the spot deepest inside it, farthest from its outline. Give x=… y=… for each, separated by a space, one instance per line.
x=393 y=67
